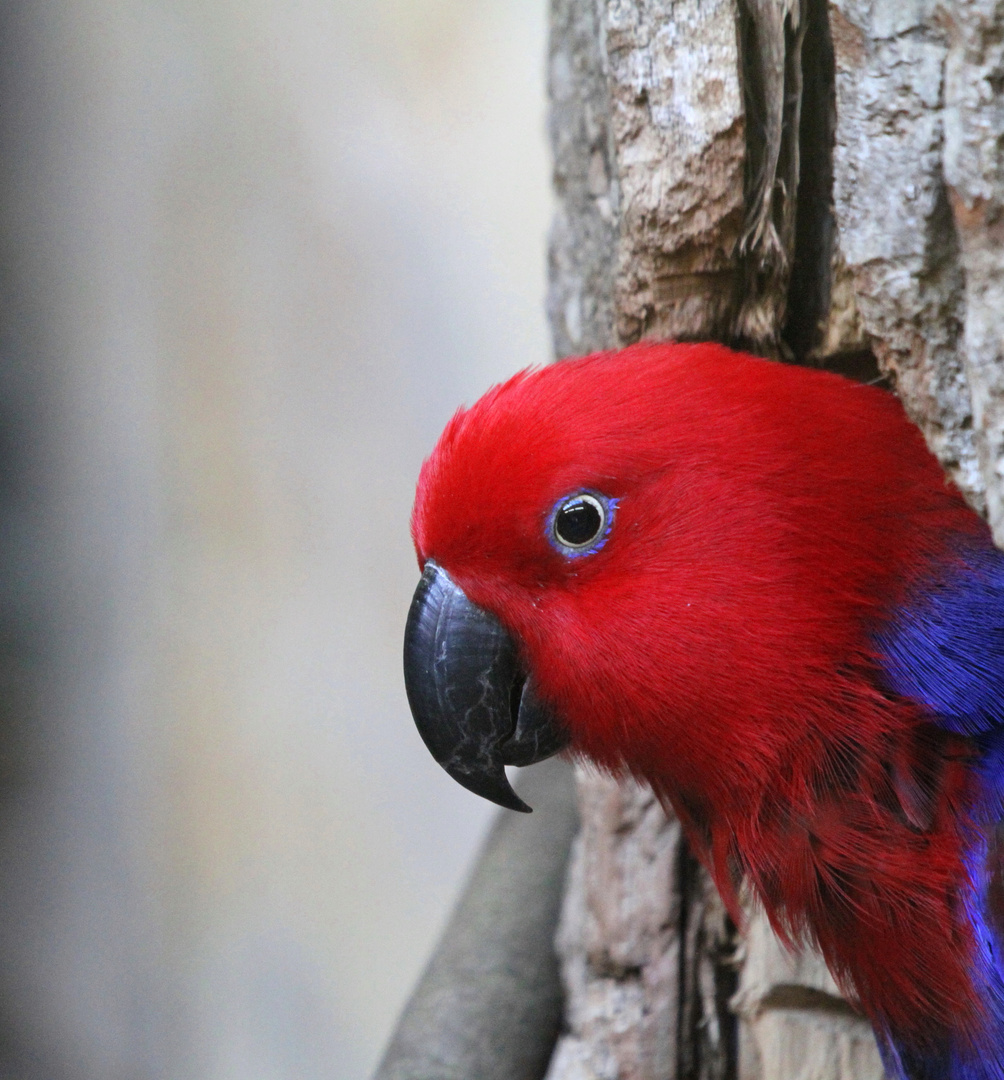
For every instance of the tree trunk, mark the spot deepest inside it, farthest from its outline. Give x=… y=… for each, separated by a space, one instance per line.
x=821 y=184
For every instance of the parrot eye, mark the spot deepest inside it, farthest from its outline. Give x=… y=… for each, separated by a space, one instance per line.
x=580 y=523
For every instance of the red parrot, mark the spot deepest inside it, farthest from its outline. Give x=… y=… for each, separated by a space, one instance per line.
x=750 y=585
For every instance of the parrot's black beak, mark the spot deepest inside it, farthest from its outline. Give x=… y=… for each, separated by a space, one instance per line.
x=473 y=702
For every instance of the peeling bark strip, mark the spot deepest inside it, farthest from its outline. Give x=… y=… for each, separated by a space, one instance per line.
x=818 y=179
x=770 y=34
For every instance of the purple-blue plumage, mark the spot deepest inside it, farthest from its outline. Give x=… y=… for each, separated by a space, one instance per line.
x=945 y=649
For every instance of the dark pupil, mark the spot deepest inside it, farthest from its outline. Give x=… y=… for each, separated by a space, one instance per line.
x=577 y=523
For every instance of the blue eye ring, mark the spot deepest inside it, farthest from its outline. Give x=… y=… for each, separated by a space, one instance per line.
x=589 y=514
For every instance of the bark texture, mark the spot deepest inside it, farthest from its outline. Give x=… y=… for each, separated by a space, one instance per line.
x=647 y=948
x=647 y=130
x=893 y=216
x=973 y=115
x=820 y=182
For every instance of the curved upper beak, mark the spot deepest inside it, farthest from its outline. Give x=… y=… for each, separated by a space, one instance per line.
x=474 y=704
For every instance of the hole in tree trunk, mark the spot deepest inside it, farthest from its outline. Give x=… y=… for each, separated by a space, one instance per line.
x=809 y=288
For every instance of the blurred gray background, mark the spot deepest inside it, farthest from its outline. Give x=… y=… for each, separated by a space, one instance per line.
x=252 y=256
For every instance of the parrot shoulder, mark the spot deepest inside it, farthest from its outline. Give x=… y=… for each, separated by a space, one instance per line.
x=944 y=647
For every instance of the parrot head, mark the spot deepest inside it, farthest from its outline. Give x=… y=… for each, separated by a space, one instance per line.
x=622 y=552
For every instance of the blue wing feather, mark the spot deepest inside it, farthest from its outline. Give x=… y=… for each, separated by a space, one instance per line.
x=946 y=646
x=945 y=649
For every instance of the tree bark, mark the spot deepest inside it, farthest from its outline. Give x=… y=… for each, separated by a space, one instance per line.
x=824 y=184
